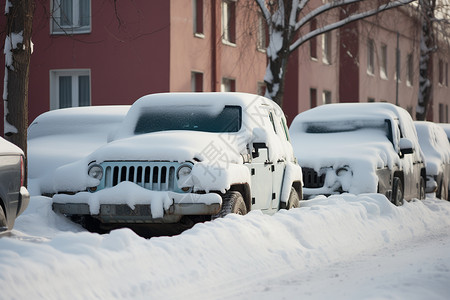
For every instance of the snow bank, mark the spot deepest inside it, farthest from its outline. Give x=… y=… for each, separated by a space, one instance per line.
x=212 y=258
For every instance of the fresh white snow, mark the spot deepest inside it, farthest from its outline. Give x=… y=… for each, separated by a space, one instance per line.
x=341 y=247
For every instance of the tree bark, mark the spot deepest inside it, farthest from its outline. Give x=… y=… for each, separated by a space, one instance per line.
x=427 y=47
x=19 y=22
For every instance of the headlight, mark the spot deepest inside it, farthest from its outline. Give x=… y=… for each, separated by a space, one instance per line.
x=95 y=171
x=183 y=171
x=343 y=171
x=184 y=178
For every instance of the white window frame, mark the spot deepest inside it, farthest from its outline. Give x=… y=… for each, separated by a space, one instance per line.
x=226 y=34
x=327 y=48
x=262 y=34
x=226 y=85
x=326 y=97
x=75 y=27
x=54 y=86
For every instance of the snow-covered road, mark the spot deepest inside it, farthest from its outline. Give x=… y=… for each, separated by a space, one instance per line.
x=341 y=247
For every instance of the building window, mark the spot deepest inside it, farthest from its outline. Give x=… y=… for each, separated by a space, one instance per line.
x=197 y=82
x=326 y=97
x=370 y=57
x=312 y=97
x=71 y=16
x=229 y=21
x=446 y=74
x=313 y=41
x=409 y=70
x=441 y=71
x=70 y=88
x=261 y=88
x=441 y=113
x=198 y=17
x=383 y=65
x=228 y=85
x=326 y=48
x=262 y=33
x=370 y=99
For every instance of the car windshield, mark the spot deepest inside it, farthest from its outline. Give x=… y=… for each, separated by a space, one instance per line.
x=228 y=119
x=348 y=126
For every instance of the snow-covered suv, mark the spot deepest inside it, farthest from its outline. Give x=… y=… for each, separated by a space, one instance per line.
x=183 y=157
x=359 y=148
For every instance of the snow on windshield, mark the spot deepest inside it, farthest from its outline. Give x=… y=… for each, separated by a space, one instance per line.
x=189 y=117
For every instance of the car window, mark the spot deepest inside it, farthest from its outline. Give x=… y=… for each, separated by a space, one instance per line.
x=153 y=120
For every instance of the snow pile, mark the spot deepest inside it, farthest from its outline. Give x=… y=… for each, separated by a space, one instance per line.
x=435 y=146
x=237 y=257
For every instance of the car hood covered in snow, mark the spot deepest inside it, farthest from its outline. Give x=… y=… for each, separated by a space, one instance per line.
x=362 y=152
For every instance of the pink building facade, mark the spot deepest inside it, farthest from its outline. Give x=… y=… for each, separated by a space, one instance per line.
x=95 y=53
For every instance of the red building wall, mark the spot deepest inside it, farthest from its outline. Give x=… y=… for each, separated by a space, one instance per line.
x=127 y=53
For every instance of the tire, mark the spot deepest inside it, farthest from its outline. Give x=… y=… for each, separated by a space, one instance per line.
x=293 y=201
x=442 y=191
x=3 y=223
x=232 y=203
x=422 y=195
x=397 y=192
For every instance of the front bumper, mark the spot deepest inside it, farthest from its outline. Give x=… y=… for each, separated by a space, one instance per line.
x=144 y=207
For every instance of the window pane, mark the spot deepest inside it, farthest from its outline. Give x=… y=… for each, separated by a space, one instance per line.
x=84 y=96
x=313 y=41
x=84 y=12
x=65 y=91
x=66 y=11
x=198 y=16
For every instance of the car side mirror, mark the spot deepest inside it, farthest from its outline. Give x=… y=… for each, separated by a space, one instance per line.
x=406 y=146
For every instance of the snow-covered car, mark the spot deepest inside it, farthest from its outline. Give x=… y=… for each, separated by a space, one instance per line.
x=62 y=136
x=182 y=158
x=446 y=128
x=359 y=148
x=14 y=196
x=436 y=148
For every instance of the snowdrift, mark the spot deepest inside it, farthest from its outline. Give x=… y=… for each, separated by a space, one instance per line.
x=47 y=257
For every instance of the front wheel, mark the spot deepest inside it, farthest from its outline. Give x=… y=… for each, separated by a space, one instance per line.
x=293 y=201
x=397 y=191
x=422 y=195
x=232 y=203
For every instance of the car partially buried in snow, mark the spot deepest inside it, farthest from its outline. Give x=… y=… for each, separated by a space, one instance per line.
x=436 y=148
x=14 y=196
x=183 y=158
x=359 y=148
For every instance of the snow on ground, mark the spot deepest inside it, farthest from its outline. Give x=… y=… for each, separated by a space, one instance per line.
x=341 y=247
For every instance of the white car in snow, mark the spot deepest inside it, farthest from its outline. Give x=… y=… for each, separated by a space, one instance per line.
x=181 y=158
x=359 y=148
x=436 y=148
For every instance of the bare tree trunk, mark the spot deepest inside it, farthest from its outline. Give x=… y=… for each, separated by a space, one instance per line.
x=18 y=47
x=427 y=47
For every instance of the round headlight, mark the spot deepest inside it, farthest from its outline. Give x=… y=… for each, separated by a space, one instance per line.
x=95 y=171
x=342 y=171
x=184 y=171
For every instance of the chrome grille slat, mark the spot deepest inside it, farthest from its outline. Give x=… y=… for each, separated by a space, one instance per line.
x=156 y=176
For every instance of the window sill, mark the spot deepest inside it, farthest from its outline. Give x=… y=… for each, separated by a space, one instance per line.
x=261 y=50
x=199 y=35
x=71 y=31
x=313 y=58
x=228 y=43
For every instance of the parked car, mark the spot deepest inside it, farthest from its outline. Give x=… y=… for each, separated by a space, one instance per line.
x=359 y=148
x=14 y=196
x=436 y=148
x=181 y=158
x=58 y=137
x=446 y=128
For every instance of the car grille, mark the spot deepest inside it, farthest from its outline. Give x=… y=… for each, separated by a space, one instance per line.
x=311 y=178
x=155 y=176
